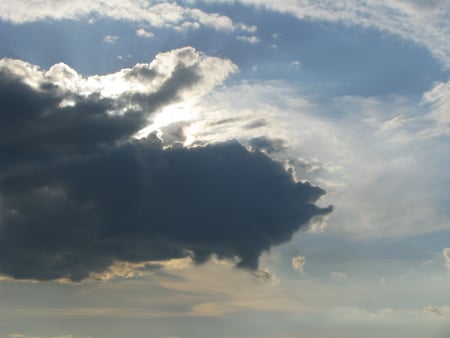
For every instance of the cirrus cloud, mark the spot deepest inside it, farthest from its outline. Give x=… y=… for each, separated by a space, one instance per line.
x=155 y=13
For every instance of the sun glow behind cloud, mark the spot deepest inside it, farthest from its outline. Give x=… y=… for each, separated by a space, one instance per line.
x=161 y=183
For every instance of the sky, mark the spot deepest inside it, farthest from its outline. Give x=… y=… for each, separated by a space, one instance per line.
x=228 y=168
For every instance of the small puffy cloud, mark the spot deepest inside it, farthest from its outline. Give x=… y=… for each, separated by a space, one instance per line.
x=446 y=254
x=246 y=28
x=253 y=40
x=296 y=64
x=298 y=263
x=112 y=39
x=142 y=33
x=81 y=198
x=338 y=276
x=123 y=57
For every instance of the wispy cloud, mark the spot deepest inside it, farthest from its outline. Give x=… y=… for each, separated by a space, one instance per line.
x=18 y=335
x=446 y=254
x=112 y=39
x=156 y=14
x=253 y=40
x=422 y=22
x=440 y=311
x=338 y=276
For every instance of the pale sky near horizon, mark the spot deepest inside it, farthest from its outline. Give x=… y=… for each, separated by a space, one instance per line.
x=229 y=169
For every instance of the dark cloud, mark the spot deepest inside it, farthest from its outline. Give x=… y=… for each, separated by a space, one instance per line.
x=77 y=194
x=37 y=125
x=138 y=202
x=34 y=126
x=174 y=133
x=224 y=121
x=256 y=124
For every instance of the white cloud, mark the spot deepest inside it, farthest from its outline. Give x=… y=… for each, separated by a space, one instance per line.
x=155 y=13
x=123 y=57
x=438 y=98
x=296 y=64
x=298 y=263
x=446 y=254
x=144 y=34
x=253 y=40
x=142 y=78
x=422 y=22
x=112 y=39
x=249 y=29
x=367 y=155
x=338 y=276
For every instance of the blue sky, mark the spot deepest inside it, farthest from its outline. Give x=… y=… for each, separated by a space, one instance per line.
x=168 y=169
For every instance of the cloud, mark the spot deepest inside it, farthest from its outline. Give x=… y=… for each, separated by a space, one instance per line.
x=446 y=254
x=18 y=335
x=253 y=40
x=144 y=34
x=44 y=113
x=298 y=263
x=440 y=311
x=267 y=145
x=363 y=169
x=422 y=22
x=79 y=195
x=338 y=276
x=155 y=13
x=111 y=39
x=438 y=99
x=138 y=202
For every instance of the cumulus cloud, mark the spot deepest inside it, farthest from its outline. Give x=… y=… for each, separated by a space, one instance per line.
x=58 y=112
x=80 y=196
x=298 y=263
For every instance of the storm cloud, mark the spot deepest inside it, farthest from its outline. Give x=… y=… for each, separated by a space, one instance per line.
x=79 y=194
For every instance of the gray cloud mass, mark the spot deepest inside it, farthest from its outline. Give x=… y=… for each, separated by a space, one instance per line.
x=78 y=193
